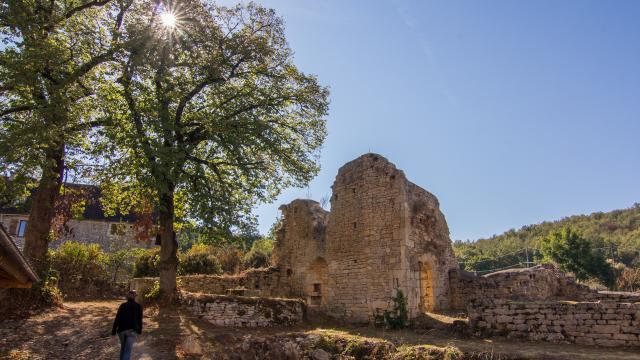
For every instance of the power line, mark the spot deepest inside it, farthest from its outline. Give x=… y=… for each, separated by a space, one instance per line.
x=499 y=257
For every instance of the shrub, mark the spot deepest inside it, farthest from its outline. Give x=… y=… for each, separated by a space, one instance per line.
x=81 y=269
x=260 y=254
x=229 y=257
x=573 y=253
x=153 y=292
x=146 y=263
x=397 y=317
x=49 y=290
x=121 y=263
x=200 y=259
x=629 y=280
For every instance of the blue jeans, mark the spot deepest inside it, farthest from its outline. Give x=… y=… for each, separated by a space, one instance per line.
x=127 y=338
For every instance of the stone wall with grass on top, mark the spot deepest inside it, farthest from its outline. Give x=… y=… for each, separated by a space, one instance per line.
x=265 y=282
x=241 y=311
x=604 y=323
x=542 y=282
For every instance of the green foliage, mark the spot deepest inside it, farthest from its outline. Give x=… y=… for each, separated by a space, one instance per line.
x=146 y=264
x=121 y=263
x=80 y=266
x=215 y=113
x=52 y=61
x=48 y=288
x=573 y=253
x=230 y=258
x=259 y=256
x=153 y=292
x=618 y=231
x=397 y=317
x=200 y=259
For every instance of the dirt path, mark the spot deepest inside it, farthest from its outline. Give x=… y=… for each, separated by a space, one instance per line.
x=81 y=330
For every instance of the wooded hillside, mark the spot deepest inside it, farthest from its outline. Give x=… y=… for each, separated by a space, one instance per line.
x=616 y=234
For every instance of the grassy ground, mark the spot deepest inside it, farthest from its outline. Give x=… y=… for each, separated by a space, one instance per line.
x=80 y=330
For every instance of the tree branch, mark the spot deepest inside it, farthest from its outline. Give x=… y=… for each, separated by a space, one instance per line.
x=15 y=109
x=84 y=6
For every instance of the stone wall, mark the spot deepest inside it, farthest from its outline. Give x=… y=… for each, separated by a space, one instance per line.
x=267 y=282
x=300 y=252
x=239 y=311
x=542 y=282
x=366 y=238
x=429 y=254
x=604 y=323
x=255 y=282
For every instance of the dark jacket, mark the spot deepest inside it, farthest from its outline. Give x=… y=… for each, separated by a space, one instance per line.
x=129 y=316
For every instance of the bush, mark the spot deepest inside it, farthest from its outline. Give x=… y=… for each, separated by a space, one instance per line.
x=397 y=317
x=229 y=257
x=200 y=259
x=81 y=269
x=573 y=253
x=260 y=254
x=121 y=263
x=629 y=280
x=153 y=293
x=146 y=263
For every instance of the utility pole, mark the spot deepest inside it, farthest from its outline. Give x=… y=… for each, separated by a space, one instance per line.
x=611 y=249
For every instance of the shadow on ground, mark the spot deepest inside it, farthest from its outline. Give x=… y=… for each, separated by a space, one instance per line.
x=81 y=330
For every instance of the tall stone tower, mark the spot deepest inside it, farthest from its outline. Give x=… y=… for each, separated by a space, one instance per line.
x=383 y=234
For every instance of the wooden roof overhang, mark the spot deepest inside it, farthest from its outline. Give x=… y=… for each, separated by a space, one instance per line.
x=15 y=271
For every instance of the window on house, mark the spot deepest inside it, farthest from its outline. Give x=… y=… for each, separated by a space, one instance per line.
x=22 y=227
x=316 y=288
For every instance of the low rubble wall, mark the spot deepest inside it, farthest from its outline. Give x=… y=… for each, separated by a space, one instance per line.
x=604 y=323
x=241 y=311
x=538 y=283
x=266 y=282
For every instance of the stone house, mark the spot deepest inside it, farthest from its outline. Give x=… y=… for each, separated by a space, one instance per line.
x=93 y=226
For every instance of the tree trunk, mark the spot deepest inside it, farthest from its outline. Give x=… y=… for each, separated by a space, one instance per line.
x=169 y=246
x=43 y=208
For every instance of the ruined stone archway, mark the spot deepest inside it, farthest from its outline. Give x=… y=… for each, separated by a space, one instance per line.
x=427 y=298
x=316 y=284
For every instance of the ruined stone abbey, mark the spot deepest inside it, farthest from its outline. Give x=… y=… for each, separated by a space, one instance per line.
x=385 y=234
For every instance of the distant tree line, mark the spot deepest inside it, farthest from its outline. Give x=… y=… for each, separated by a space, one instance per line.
x=603 y=247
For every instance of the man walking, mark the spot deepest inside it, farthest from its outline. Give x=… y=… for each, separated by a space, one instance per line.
x=128 y=324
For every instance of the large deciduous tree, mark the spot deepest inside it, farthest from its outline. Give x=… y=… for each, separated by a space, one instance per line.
x=212 y=114
x=51 y=62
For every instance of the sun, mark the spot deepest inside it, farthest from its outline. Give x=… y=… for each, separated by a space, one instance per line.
x=168 y=19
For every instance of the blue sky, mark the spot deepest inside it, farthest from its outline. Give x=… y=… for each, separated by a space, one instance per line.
x=510 y=112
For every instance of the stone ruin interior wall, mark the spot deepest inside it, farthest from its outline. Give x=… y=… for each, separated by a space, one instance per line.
x=268 y=282
x=300 y=252
x=429 y=253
